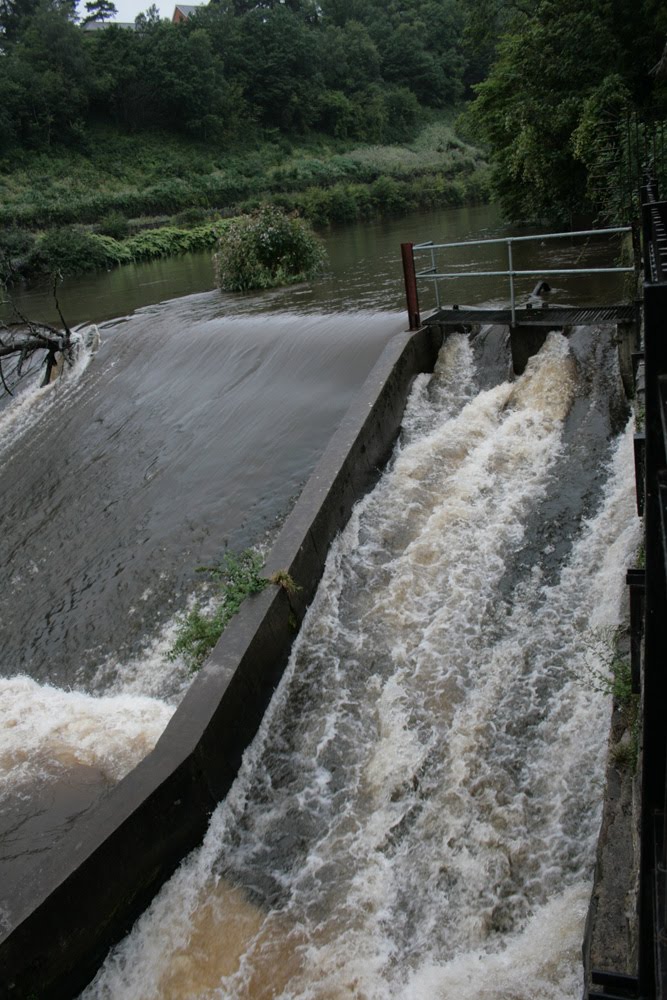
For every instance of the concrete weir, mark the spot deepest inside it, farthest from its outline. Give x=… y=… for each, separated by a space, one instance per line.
x=84 y=897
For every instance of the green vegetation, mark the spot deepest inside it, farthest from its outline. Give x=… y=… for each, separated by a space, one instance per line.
x=164 y=175
x=235 y=579
x=615 y=679
x=75 y=250
x=640 y=559
x=266 y=249
x=341 y=117
x=568 y=83
x=351 y=70
x=281 y=578
x=322 y=180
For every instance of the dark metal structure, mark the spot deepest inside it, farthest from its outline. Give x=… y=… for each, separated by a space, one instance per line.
x=434 y=274
x=653 y=862
x=548 y=316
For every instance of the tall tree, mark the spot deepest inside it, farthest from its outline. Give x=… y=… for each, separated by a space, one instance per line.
x=45 y=78
x=558 y=80
x=99 y=10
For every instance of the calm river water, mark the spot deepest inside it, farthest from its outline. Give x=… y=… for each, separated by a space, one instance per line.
x=498 y=536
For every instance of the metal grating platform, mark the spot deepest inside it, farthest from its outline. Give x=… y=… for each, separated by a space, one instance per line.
x=552 y=316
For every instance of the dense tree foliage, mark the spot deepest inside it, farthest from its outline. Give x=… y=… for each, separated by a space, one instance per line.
x=555 y=82
x=565 y=79
x=352 y=69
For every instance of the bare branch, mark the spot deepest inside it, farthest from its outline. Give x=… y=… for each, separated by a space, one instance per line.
x=26 y=340
x=660 y=68
x=62 y=318
x=25 y=345
x=2 y=379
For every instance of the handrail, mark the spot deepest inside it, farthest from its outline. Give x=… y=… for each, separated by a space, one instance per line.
x=432 y=274
x=523 y=239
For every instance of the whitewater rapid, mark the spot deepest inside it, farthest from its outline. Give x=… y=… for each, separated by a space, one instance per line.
x=417 y=816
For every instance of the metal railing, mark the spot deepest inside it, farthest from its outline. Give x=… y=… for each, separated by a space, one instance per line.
x=653 y=856
x=432 y=274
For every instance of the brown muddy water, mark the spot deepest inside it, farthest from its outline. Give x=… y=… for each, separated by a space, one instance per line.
x=417 y=816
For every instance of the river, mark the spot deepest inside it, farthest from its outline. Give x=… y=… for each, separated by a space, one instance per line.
x=492 y=548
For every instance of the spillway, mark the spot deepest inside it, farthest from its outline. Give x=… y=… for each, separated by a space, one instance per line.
x=188 y=430
x=417 y=816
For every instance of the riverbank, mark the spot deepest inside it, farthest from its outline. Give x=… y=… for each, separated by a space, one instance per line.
x=170 y=197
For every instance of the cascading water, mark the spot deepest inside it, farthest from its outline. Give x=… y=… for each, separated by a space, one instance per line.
x=190 y=429
x=417 y=816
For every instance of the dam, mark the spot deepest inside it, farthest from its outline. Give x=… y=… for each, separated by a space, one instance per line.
x=417 y=815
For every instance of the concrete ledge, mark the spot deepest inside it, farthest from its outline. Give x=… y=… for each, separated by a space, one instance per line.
x=85 y=897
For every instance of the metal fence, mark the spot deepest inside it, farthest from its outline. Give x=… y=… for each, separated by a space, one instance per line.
x=413 y=275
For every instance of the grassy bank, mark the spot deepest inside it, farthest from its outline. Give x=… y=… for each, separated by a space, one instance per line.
x=160 y=195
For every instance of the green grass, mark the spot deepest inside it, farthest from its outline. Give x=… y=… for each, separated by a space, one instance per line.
x=158 y=174
x=614 y=678
x=118 y=187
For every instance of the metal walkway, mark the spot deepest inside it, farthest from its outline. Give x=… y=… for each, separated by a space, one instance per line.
x=514 y=315
x=550 y=316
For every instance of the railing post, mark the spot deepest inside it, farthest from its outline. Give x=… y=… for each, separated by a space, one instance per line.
x=510 y=269
x=646 y=230
x=410 y=285
x=437 y=286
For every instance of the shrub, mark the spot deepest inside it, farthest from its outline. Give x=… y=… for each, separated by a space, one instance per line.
x=266 y=249
x=169 y=241
x=192 y=217
x=115 y=225
x=69 y=251
x=389 y=194
x=115 y=251
x=15 y=248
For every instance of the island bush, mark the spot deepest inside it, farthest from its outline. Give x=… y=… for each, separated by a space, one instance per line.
x=266 y=249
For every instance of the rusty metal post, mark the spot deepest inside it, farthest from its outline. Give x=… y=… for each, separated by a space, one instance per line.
x=410 y=285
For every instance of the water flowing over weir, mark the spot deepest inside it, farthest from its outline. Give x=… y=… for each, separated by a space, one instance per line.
x=190 y=429
x=417 y=815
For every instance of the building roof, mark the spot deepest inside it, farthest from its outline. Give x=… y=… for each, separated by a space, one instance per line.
x=187 y=9
x=98 y=25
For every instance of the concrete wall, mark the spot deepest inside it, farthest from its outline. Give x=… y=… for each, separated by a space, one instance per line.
x=86 y=895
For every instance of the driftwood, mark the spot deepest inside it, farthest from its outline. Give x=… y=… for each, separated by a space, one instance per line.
x=24 y=339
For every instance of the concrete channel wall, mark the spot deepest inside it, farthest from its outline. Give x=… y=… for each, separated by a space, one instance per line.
x=86 y=895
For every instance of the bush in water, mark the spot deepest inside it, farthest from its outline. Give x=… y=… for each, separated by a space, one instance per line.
x=266 y=249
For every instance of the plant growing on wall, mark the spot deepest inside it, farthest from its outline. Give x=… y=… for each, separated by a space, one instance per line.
x=266 y=249
x=234 y=579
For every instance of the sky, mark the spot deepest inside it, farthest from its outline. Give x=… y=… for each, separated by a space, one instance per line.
x=128 y=9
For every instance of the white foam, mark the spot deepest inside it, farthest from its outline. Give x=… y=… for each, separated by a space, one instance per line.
x=453 y=857
x=44 y=731
x=32 y=400
x=151 y=673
